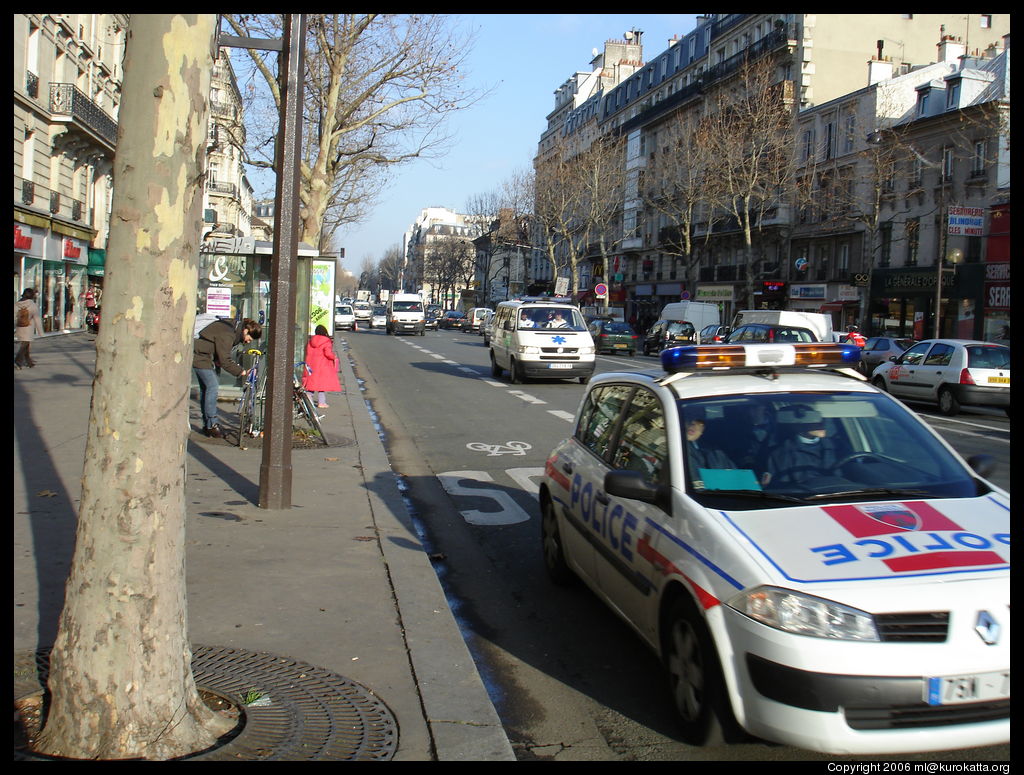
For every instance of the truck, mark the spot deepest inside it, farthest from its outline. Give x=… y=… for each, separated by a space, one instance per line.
x=819 y=323
x=698 y=313
x=406 y=314
x=363 y=295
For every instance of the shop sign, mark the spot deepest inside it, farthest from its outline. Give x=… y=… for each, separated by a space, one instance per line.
x=848 y=293
x=714 y=293
x=966 y=221
x=71 y=250
x=29 y=240
x=997 y=286
x=807 y=291
x=917 y=281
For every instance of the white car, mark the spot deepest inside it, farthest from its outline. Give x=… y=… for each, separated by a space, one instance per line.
x=950 y=373
x=813 y=564
x=379 y=319
x=344 y=317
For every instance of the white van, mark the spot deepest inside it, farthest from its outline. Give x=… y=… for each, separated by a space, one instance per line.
x=819 y=323
x=542 y=337
x=405 y=314
x=474 y=318
x=699 y=314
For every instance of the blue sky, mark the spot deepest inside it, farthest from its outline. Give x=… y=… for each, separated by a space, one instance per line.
x=524 y=57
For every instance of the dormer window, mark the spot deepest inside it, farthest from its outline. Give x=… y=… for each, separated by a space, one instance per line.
x=922 y=103
x=953 y=94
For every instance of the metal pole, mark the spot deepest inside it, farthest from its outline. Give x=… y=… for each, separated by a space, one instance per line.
x=276 y=468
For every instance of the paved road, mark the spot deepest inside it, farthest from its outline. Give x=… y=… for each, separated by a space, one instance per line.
x=569 y=680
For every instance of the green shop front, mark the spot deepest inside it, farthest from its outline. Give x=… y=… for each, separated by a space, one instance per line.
x=235 y=282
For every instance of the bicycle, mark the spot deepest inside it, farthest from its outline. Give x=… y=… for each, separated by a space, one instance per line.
x=303 y=405
x=250 y=409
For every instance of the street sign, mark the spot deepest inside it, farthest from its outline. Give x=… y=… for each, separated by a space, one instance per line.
x=600 y=290
x=860 y=279
x=561 y=286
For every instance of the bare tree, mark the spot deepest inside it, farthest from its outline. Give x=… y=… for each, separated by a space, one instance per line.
x=120 y=670
x=749 y=148
x=390 y=267
x=449 y=264
x=601 y=178
x=557 y=207
x=378 y=90
x=675 y=187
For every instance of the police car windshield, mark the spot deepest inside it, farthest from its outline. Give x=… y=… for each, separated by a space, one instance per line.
x=565 y=318
x=810 y=446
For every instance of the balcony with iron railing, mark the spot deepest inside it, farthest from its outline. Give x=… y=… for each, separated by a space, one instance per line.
x=227 y=189
x=68 y=103
x=28 y=194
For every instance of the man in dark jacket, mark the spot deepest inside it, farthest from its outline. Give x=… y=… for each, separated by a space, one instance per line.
x=212 y=349
x=808 y=454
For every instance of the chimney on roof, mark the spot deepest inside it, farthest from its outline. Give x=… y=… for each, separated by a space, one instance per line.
x=950 y=48
x=879 y=68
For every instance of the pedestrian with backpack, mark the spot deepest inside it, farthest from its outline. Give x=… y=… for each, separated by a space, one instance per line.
x=27 y=326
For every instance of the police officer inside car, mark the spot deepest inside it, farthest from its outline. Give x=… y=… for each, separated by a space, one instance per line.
x=807 y=454
x=701 y=454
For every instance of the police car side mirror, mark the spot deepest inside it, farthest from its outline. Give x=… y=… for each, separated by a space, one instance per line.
x=632 y=484
x=983 y=465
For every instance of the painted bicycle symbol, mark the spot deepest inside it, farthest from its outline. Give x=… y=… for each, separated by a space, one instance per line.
x=508 y=448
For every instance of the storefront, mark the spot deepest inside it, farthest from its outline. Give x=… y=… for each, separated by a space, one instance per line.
x=903 y=301
x=53 y=260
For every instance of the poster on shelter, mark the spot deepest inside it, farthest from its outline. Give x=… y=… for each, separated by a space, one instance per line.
x=321 y=295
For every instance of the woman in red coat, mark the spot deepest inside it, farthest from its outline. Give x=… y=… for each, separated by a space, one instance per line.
x=322 y=361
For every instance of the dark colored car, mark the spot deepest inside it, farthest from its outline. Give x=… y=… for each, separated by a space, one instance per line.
x=753 y=333
x=431 y=318
x=450 y=319
x=613 y=336
x=668 y=333
x=878 y=349
x=713 y=334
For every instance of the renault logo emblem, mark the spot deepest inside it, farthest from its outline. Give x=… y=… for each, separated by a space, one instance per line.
x=987 y=628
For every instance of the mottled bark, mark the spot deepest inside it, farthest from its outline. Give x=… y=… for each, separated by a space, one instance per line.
x=121 y=679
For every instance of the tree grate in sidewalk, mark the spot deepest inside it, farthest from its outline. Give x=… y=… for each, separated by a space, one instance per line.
x=303 y=712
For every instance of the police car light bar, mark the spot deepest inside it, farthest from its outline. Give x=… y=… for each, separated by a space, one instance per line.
x=737 y=356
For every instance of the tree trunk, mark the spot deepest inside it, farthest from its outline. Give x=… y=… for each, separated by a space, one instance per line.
x=120 y=670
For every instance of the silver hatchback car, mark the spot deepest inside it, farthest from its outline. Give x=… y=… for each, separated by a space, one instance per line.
x=950 y=373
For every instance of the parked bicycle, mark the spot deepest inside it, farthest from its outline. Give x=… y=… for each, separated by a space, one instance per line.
x=303 y=404
x=250 y=407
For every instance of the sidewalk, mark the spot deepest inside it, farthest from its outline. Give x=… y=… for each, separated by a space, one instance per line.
x=339 y=581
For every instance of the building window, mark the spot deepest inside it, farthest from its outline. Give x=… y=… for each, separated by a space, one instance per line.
x=913 y=240
x=844 y=256
x=978 y=159
x=808 y=144
x=830 y=140
x=986 y=21
x=850 y=130
x=885 y=254
x=947 y=164
x=922 y=104
x=953 y=94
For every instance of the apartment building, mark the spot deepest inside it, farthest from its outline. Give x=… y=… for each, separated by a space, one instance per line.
x=817 y=59
x=432 y=225
x=67 y=83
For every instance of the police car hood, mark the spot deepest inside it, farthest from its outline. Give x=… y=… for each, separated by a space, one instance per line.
x=878 y=541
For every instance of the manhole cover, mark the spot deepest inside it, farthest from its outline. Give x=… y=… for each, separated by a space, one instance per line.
x=312 y=714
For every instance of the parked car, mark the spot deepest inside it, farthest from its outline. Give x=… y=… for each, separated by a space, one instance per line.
x=860 y=609
x=949 y=372
x=878 y=349
x=379 y=319
x=668 y=333
x=344 y=317
x=485 y=318
x=450 y=319
x=713 y=334
x=614 y=336
x=770 y=333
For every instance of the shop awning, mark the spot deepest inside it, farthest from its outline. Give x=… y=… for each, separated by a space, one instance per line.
x=97 y=260
x=837 y=305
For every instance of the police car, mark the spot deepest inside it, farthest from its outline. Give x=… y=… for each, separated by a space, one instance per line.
x=812 y=563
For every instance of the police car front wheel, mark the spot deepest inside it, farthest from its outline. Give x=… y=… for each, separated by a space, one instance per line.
x=695 y=679
x=551 y=542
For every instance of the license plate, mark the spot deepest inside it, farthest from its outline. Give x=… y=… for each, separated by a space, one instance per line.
x=956 y=689
x=559 y=365
x=1000 y=380
x=622 y=346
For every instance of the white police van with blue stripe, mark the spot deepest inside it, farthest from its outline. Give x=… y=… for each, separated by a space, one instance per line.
x=813 y=563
